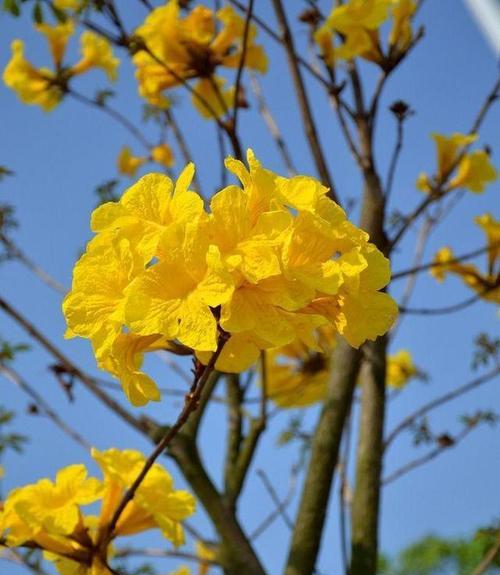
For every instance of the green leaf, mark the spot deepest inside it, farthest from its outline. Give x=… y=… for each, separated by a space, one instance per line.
x=37 y=13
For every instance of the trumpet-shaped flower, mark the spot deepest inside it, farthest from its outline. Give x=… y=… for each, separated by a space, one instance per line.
x=469 y=170
x=148 y=207
x=475 y=171
x=178 y=49
x=298 y=376
x=163 y=155
x=57 y=37
x=32 y=85
x=127 y=163
x=485 y=284
x=358 y=23
x=96 y=53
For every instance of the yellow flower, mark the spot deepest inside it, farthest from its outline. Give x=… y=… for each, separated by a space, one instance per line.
x=298 y=376
x=491 y=228
x=155 y=504
x=475 y=171
x=96 y=53
x=32 y=85
x=57 y=37
x=401 y=34
x=49 y=516
x=487 y=284
x=449 y=149
x=94 y=306
x=163 y=155
x=369 y=14
x=273 y=261
x=400 y=369
x=174 y=297
x=204 y=551
x=148 y=207
x=192 y=47
x=127 y=163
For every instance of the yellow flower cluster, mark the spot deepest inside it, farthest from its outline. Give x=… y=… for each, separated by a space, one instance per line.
x=474 y=171
x=273 y=260
x=298 y=376
x=487 y=285
x=357 y=22
x=48 y=515
x=128 y=164
x=178 y=49
x=45 y=87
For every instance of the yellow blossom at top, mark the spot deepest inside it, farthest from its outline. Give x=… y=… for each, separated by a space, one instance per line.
x=50 y=516
x=175 y=273
x=358 y=23
x=179 y=49
x=458 y=168
x=298 y=376
x=45 y=87
x=485 y=284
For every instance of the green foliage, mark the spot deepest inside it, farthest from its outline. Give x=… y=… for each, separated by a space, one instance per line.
x=102 y=96
x=434 y=555
x=8 y=351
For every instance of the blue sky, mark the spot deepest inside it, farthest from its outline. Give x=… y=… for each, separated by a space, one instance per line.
x=59 y=159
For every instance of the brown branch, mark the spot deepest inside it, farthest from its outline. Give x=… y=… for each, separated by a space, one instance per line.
x=441 y=400
x=403 y=470
x=303 y=100
x=280 y=505
x=190 y=405
x=120 y=118
x=447 y=309
x=43 y=405
x=140 y=424
x=278 y=39
x=311 y=516
x=366 y=497
x=160 y=553
x=239 y=73
x=182 y=144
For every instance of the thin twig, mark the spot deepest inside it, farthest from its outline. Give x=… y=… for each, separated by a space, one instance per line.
x=434 y=264
x=394 y=159
x=276 y=500
x=190 y=405
x=182 y=144
x=271 y=124
x=141 y=425
x=403 y=470
x=43 y=405
x=303 y=100
x=120 y=118
x=14 y=251
x=441 y=400
x=159 y=553
x=241 y=65
x=447 y=309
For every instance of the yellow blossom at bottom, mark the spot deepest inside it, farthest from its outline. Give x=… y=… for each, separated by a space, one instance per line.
x=50 y=515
